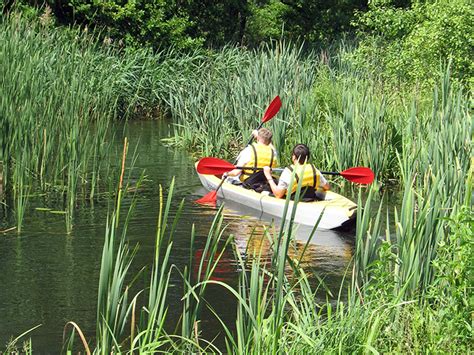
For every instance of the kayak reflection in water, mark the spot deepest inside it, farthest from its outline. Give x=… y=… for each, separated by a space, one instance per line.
x=313 y=184
x=256 y=155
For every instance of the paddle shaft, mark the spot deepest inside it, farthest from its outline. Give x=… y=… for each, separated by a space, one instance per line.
x=281 y=169
x=216 y=166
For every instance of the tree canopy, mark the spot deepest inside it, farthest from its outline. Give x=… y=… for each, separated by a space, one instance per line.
x=399 y=39
x=188 y=24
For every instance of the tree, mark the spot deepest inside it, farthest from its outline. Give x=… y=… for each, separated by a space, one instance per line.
x=410 y=43
x=219 y=22
x=314 y=21
x=151 y=23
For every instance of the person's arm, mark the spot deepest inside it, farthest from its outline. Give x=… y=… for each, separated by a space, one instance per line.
x=235 y=172
x=243 y=158
x=323 y=183
x=277 y=191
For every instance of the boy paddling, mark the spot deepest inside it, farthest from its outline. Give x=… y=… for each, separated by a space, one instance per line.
x=256 y=155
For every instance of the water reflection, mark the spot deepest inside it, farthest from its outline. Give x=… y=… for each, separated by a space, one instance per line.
x=326 y=257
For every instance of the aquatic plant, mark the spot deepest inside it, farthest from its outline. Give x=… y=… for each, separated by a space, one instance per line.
x=56 y=107
x=55 y=140
x=393 y=301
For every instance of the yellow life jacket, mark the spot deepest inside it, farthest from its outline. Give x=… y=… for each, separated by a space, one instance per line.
x=308 y=173
x=262 y=155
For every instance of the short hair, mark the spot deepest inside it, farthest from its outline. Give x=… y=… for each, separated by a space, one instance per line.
x=301 y=152
x=266 y=135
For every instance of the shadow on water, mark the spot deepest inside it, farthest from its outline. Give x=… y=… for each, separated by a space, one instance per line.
x=50 y=277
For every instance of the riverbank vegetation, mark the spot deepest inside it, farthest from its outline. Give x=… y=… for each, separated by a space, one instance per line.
x=396 y=100
x=346 y=115
x=408 y=294
x=410 y=288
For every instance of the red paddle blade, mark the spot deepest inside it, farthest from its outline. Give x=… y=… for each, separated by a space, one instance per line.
x=272 y=109
x=208 y=199
x=360 y=175
x=213 y=166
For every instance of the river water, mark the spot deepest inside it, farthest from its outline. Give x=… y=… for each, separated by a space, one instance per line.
x=49 y=277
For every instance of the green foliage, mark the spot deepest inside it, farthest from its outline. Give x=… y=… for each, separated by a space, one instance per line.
x=60 y=89
x=192 y=24
x=410 y=292
x=410 y=43
x=162 y=24
x=320 y=21
x=315 y=22
x=218 y=22
x=277 y=305
x=266 y=22
x=45 y=128
x=453 y=288
x=150 y=23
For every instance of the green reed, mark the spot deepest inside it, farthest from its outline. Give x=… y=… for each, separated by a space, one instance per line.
x=124 y=326
x=390 y=306
x=434 y=164
x=214 y=98
x=394 y=302
x=347 y=118
x=58 y=96
x=61 y=90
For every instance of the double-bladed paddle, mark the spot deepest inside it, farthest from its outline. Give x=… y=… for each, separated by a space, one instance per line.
x=215 y=166
x=272 y=110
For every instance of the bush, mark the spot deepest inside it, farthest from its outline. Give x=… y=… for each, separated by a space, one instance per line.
x=411 y=43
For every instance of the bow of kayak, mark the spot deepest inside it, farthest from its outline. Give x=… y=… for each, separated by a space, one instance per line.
x=337 y=211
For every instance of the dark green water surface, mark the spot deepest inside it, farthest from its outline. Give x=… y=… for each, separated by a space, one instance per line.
x=50 y=277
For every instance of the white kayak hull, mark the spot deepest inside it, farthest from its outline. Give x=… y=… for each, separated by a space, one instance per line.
x=338 y=211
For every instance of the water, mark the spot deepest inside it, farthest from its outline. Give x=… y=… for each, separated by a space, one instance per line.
x=50 y=277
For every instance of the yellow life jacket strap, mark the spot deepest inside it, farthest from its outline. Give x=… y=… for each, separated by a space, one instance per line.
x=247 y=172
x=314 y=176
x=254 y=150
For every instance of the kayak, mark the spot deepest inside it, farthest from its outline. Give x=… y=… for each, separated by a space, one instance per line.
x=338 y=212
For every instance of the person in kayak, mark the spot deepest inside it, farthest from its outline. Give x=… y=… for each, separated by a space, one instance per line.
x=256 y=155
x=313 y=184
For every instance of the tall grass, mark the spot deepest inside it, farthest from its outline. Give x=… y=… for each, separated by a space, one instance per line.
x=409 y=289
x=61 y=90
x=346 y=118
x=56 y=104
x=394 y=302
x=55 y=139
x=131 y=320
